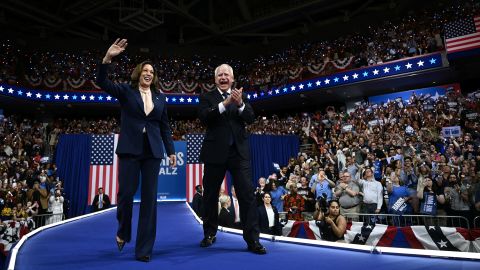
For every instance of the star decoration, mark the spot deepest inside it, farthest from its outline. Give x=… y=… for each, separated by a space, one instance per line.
x=29 y=94
x=408 y=65
x=197 y=100
x=301 y=86
x=293 y=87
x=345 y=78
x=335 y=79
x=56 y=96
x=189 y=100
x=375 y=72
x=355 y=75
x=38 y=95
x=277 y=91
x=109 y=98
x=420 y=63
x=285 y=89
x=386 y=70
x=433 y=61
x=397 y=68
x=92 y=97
x=47 y=96
x=365 y=74
x=361 y=238
x=100 y=97
x=74 y=97
x=19 y=92
x=83 y=97
x=442 y=244
x=10 y=90
x=1 y=88
x=182 y=99
x=327 y=81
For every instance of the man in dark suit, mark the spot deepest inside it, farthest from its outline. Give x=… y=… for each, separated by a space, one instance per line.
x=225 y=113
x=144 y=129
x=100 y=201
x=197 y=202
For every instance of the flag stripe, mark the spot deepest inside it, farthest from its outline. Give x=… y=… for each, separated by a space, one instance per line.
x=474 y=38
x=114 y=191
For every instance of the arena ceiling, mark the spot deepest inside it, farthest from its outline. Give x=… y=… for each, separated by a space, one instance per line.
x=218 y=22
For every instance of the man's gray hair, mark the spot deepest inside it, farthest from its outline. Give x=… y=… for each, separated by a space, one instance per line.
x=230 y=69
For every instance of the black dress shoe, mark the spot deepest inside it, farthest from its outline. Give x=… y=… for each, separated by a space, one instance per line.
x=144 y=258
x=120 y=245
x=257 y=248
x=208 y=241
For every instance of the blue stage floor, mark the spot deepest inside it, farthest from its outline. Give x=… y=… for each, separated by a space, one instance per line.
x=89 y=244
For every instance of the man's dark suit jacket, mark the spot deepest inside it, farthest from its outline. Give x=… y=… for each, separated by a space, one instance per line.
x=133 y=118
x=225 y=218
x=197 y=204
x=263 y=221
x=105 y=205
x=215 y=147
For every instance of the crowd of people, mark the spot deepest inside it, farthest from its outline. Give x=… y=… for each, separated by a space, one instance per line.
x=414 y=34
x=386 y=158
x=389 y=158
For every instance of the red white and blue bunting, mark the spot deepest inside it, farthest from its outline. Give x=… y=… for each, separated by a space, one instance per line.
x=395 y=68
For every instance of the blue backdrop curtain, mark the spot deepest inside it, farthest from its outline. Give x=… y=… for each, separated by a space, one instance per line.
x=73 y=163
x=268 y=149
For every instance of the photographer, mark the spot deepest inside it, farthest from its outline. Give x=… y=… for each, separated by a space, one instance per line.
x=332 y=225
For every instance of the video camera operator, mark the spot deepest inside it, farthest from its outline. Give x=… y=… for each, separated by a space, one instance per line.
x=332 y=225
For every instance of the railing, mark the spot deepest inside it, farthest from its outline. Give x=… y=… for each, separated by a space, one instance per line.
x=410 y=220
x=42 y=220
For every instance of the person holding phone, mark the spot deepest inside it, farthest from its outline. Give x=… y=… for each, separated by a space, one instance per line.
x=225 y=112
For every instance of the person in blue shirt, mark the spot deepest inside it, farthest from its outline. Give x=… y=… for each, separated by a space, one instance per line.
x=277 y=194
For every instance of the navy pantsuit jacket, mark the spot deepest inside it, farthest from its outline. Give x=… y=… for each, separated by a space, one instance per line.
x=134 y=119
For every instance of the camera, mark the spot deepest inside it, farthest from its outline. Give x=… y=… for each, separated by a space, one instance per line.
x=322 y=202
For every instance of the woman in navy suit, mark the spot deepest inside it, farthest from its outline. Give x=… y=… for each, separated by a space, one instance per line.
x=268 y=218
x=144 y=129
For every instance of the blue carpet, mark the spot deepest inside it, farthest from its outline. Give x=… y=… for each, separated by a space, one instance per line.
x=89 y=244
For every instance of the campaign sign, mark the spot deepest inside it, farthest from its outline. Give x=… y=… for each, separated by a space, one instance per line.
x=171 y=181
x=453 y=131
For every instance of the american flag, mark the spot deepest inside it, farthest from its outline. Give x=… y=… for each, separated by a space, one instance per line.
x=103 y=167
x=194 y=167
x=463 y=35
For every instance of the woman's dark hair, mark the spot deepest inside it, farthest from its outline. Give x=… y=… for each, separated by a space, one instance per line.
x=137 y=71
x=266 y=193
x=332 y=201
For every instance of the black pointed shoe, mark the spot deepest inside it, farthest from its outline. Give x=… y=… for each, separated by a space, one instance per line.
x=257 y=248
x=143 y=258
x=208 y=241
x=120 y=244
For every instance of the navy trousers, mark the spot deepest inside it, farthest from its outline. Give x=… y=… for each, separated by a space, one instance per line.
x=130 y=168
